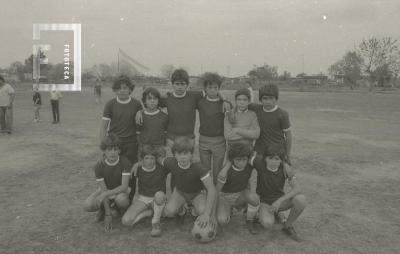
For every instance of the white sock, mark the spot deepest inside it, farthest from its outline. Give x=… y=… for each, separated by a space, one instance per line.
x=158 y=209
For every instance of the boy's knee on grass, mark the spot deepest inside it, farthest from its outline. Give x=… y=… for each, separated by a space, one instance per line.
x=89 y=206
x=122 y=200
x=299 y=201
x=267 y=221
x=159 y=198
x=127 y=220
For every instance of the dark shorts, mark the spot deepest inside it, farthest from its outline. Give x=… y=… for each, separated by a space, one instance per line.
x=268 y=200
x=129 y=148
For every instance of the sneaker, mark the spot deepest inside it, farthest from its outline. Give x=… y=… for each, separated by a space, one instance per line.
x=155 y=229
x=252 y=227
x=291 y=233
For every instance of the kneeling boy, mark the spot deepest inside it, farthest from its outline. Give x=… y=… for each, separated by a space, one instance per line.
x=271 y=178
x=112 y=175
x=151 y=181
x=233 y=185
x=190 y=178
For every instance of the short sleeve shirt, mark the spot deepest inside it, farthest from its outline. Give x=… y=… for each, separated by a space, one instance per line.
x=273 y=124
x=150 y=182
x=270 y=185
x=112 y=173
x=154 y=126
x=181 y=113
x=237 y=181
x=187 y=180
x=5 y=91
x=122 y=116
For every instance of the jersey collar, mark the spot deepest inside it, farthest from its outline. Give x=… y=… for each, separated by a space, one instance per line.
x=272 y=110
x=236 y=169
x=179 y=96
x=188 y=166
x=149 y=169
x=151 y=113
x=124 y=102
x=243 y=111
x=111 y=164
x=212 y=100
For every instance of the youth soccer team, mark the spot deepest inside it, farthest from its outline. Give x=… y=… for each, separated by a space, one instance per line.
x=142 y=145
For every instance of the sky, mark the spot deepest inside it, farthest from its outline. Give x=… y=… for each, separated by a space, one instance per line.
x=225 y=36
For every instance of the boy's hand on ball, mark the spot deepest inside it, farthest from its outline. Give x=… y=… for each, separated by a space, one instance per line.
x=203 y=220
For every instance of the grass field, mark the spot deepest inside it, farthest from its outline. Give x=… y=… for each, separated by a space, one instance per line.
x=346 y=151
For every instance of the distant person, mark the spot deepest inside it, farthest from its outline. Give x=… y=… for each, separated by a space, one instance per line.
x=55 y=96
x=37 y=103
x=7 y=95
x=97 y=91
x=249 y=86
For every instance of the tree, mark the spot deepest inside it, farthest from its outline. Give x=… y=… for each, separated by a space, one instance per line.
x=167 y=70
x=381 y=58
x=264 y=72
x=349 y=67
x=285 y=76
x=16 y=68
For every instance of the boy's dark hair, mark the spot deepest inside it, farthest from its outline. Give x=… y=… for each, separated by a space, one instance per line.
x=211 y=78
x=243 y=91
x=123 y=80
x=182 y=144
x=153 y=91
x=2 y=78
x=148 y=150
x=110 y=141
x=276 y=149
x=269 y=90
x=239 y=150
x=180 y=75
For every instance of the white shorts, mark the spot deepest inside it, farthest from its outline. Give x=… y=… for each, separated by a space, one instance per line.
x=147 y=200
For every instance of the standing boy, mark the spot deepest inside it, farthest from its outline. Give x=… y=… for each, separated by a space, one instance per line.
x=212 y=144
x=119 y=117
x=274 y=122
x=55 y=96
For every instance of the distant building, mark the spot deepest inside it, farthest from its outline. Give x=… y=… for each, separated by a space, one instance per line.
x=312 y=79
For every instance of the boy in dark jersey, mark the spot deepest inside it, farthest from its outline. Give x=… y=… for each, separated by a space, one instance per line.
x=112 y=175
x=190 y=180
x=212 y=144
x=119 y=117
x=272 y=174
x=181 y=105
x=37 y=103
x=233 y=186
x=151 y=188
x=155 y=121
x=274 y=121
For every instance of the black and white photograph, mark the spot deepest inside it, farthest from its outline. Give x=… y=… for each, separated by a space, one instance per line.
x=226 y=126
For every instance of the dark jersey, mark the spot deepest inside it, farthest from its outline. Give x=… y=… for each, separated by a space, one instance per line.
x=152 y=132
x=237 y=181
x=211 y=117
x=112 y=173
x=122 y=116
x=37 y=98
x=270 y=185
x=272 y=126
x=151 y=182
x=181 y=113
x=187 y=180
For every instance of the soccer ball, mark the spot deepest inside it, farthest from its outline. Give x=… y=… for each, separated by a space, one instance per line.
x=204 y=235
